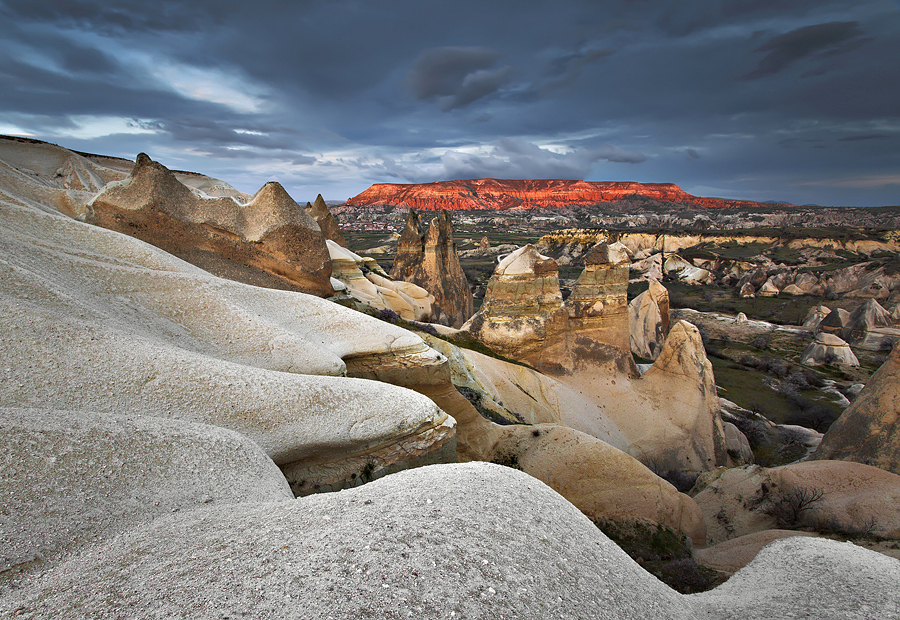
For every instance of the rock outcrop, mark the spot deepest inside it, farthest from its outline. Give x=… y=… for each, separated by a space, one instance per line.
x=584 y=343
x=269 y=241
x=868 y=431
x=328 y=225
x=830 y=496
x=815 y=316
x=97 y=321
x=870 y=327
x=807 y=577
x=477 y=194
x=375 y=290
x=649 y=321
x=828 y=349
x=431 y=262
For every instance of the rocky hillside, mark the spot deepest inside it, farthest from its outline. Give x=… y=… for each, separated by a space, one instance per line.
x=499 y=194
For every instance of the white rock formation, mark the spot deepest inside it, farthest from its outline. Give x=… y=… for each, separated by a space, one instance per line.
x=828 y=349
x=648 y=315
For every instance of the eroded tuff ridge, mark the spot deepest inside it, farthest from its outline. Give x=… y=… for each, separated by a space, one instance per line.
x=476 y=194
x=270 y=241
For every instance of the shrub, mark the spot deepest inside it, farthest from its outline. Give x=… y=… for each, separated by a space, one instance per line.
x=386 y=314
x=787 y=507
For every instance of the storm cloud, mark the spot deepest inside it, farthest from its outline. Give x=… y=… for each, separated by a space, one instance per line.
x=758 y=99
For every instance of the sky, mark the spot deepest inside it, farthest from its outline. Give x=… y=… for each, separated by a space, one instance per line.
x=794 y=101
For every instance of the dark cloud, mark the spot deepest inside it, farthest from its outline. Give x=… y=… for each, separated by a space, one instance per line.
x=457 y=76
x=820 y=39
x=341 y=93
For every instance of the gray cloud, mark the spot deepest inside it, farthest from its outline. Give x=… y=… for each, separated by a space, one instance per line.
x=819 y=39
x=457 y=76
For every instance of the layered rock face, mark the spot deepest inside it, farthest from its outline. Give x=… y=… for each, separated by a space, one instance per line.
x=373 y=289
x=669 y=417
x=868 y=431
x=269 y=241
x=649 y=321
x=523 y=315
x=870 y=327
x=474 y=194
x=329 y=226
x=431 y=261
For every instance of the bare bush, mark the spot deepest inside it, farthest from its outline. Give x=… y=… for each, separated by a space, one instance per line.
x=788 y=507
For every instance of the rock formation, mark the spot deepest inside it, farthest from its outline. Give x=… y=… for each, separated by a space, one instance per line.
x=870 y=327
x=375 y=290
x=328 y=225
x=828 y=349
x=97 y=321
x=585 y=344
x=868 y=431
x=810 y=570
x=269 y=241
x=649 y=321
x=431 y=261
x=815 y=316
x=476 y=194
x=820 y=495
x=834 y=322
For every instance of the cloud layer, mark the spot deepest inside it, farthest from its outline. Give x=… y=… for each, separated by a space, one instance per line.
x=748 y=99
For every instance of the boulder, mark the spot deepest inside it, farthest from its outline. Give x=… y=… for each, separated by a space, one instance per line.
x=649 y=320
x=736 y=444
x=768 y=289
x=73 y=478
x=328 y=225
x=741 y=319
x=868 y=430
x=269 y=241
x=431 y=262
x=793 y=289
x=747 y=290
x=828 y=349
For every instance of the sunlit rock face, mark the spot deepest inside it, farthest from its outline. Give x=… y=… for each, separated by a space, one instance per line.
x=431 y=261
x=668 y=418
x=269 y=241
x=868 y=431
x=329 y=226
x=517 y=194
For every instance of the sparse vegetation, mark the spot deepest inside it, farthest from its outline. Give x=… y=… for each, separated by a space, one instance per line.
x=788 y=507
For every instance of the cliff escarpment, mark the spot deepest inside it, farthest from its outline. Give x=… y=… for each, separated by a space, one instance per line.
x=499 y=194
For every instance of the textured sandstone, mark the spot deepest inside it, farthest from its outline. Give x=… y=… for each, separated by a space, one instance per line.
x=328 y=225
x=476 y=194
x=732 y=555
x=868 y=431
x=269 y=241
x=815 y=316
x=431 y=262
x=870 y=327
x=801 y=577
x=477 y=540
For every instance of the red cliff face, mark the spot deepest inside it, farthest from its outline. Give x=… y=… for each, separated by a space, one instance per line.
x=473 y=194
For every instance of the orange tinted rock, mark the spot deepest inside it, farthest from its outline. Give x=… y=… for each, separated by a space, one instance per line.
x=474 y=194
